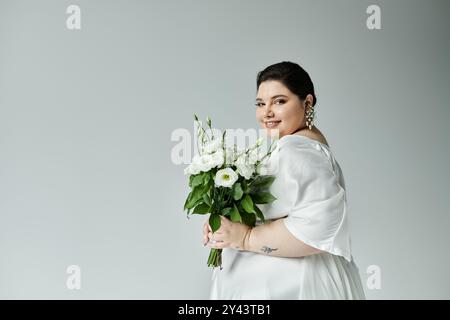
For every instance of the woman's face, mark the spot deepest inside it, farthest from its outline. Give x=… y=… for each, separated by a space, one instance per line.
x=278 y=110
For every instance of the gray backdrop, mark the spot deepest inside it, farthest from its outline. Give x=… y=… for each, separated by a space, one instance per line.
x=86 y=117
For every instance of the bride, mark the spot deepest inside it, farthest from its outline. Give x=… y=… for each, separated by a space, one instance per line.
x=303 y=251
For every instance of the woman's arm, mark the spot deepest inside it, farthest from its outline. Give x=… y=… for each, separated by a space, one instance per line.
x=274 y=239
x=271 y=238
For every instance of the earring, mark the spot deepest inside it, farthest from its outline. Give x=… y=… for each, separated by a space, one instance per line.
x=310 y=117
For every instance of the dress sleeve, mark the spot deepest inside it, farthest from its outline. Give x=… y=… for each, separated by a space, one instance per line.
x=317 y=215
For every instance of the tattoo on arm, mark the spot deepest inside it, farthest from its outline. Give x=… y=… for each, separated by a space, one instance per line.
x=268 y=249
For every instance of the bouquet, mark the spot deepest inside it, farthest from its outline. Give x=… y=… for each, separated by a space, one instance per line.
x=225 y=181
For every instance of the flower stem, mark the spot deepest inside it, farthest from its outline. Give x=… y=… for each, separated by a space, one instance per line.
x=215 y=258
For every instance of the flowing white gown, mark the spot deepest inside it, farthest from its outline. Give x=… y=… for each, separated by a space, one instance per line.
x=311 y=200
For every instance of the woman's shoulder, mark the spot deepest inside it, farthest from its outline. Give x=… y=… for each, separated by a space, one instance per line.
x=315 y=135
x=296 y=140
x=299 y=150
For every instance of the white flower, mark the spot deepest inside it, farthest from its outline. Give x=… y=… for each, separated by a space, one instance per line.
x=253 y=156
x=225 y=178
x=192 y=169
x=205 y=162
x=230 y=156
x=249 y=158
x=213 y=146
x=240 y=155
x=246 y=170
x=218 y=158
x=262 y=169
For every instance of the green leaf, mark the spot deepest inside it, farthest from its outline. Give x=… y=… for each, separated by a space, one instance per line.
x=191 y=177
x=206 y=178
x=249 y=219
x=214 y=222
x=188 y=203
x=226 y=211
x=244 y=186
x=195 y=195
x=202 y=208
x=263 y=197
x=207 y=199
x=261 y=183
x=237 y=191
x=259 y=214
x=235 y=216
x=247 y=204
x=196 y=203
x=197 y=180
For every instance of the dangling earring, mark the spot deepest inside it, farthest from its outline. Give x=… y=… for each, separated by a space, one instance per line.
x=309 y=117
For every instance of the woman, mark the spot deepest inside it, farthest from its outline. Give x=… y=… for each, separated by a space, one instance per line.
x=304 y=251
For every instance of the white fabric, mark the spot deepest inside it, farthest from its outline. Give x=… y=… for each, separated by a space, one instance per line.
x=311 y=200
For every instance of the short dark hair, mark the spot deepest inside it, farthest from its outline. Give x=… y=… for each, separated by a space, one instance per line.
x=293 y=76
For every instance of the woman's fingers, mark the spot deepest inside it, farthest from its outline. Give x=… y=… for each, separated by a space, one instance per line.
x=215 y=236
x=208 y=234
x=206 y=229
x=206 y=226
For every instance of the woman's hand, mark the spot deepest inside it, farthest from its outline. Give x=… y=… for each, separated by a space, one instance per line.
x=230 y=235
x=206 y=230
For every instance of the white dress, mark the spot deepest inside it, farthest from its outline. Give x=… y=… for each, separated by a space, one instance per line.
x=311 y=200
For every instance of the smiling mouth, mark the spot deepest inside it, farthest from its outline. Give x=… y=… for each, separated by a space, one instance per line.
x=271 y=124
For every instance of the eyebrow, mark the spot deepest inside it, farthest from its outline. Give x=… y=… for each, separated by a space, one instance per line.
x=278 y=95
